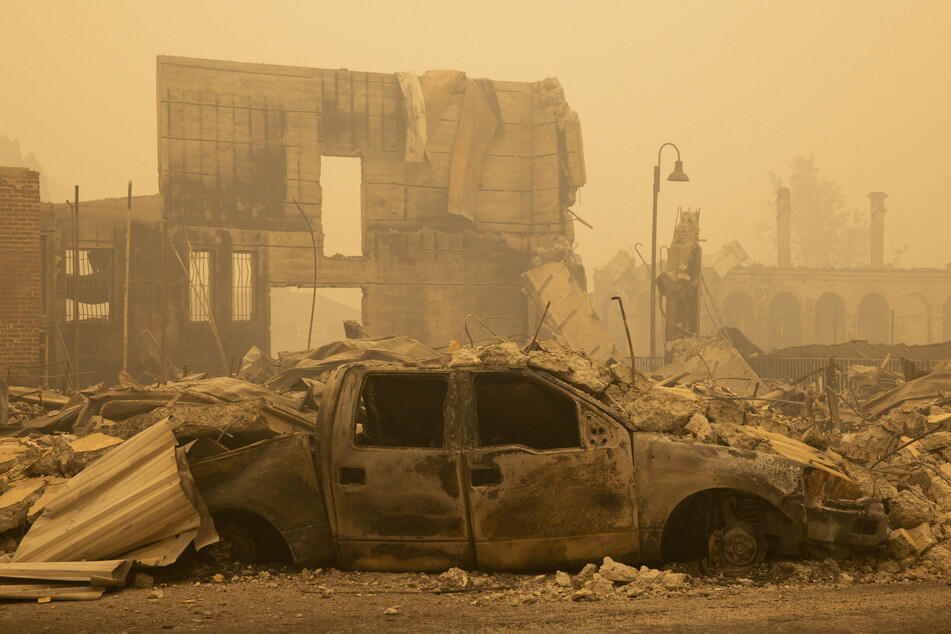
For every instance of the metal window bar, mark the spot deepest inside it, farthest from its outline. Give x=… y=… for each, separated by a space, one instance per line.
x=199 y=289
x=97 y=286
x=242 y=286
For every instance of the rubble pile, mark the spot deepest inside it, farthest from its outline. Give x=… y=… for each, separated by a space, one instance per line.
x=894 y=442
x=902 y=454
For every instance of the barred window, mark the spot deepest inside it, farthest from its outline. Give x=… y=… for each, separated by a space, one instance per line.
x=95 y=284
x=242 y=286
x=199 y=288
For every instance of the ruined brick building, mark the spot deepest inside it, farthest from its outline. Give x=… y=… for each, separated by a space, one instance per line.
x=465 y=184
x=782 y=306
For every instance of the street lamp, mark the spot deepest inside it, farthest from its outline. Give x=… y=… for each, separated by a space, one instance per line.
x=677 y=176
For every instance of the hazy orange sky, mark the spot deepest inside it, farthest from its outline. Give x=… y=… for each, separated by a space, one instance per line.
x=740 y=87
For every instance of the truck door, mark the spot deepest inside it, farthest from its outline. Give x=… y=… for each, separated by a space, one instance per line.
x=550 y=481
x=395 y=474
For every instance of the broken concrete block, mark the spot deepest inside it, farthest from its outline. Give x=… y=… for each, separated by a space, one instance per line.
x=734 y=436
x=599 y=586
x=937 y=440
x=584 y=595
x=588 y=571
x=507 y=354
x=453 y=579
x=464 y=357
x=562 y=579
x=674 y=581
x=663 y=409
x=617 y=572
x=583 y=372
x=699 y=426
x=939 y=491
x=923 y=538
x=541 y=360
x=16 y=501
x=901 y=544
x=940 y=557
x=649 y=576
x=907 y=510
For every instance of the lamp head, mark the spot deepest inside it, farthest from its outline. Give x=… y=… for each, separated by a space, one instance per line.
x=678 y=175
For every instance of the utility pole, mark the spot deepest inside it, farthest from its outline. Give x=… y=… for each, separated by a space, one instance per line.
x=128 y=281
x=164 y=304
x=76 y=290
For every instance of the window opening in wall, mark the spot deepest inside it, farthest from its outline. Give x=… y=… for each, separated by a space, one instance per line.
x=341 y=181
x=95 y=283
x=199 y=287
x=242 y=286
x=514 y=410
x=401 y=411
x=290 y=315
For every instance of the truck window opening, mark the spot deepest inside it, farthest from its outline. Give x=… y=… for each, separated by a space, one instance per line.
x=513 y=410
x=401 y=411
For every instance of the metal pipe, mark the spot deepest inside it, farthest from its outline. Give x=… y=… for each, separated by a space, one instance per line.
x=627 y=331
x=313 y=301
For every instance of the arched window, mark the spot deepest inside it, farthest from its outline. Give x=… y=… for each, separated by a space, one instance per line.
x=785 y=321
x=874 y=319
x=830 y=319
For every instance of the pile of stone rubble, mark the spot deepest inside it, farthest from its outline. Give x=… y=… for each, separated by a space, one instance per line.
x=902 y=455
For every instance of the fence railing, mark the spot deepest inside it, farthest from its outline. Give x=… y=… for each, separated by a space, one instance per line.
x=792 y=368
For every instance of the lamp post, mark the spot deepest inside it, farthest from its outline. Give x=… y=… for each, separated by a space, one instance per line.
x=676 y=176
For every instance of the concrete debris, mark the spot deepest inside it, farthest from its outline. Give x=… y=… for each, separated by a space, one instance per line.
x=453 y=580
x=699 y=426
x=614 y=571
x=907 y=510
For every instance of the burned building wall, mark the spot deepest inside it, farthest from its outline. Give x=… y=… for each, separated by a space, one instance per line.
x=22 y=241
x=236 y=300
x=461 y=180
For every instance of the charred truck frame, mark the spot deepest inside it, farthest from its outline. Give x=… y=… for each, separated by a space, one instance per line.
x=423 y=469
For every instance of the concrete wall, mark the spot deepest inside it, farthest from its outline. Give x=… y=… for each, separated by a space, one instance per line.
x=238 y=143
x=21 y=284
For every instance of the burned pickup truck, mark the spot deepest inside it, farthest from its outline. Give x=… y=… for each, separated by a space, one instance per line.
x=513 y=469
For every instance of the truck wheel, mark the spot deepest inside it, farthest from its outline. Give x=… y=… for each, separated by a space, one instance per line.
x=235 y=544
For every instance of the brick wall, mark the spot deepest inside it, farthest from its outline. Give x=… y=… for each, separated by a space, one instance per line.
x=20 y=273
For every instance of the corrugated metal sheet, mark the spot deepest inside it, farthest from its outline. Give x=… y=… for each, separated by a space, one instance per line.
x=139 y=494
x=99 y=573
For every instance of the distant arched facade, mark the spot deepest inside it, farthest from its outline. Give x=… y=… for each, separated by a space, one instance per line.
x=874 y=319
x=829 y=319
x=913 y=317
x=738 y=311
x=785 y=321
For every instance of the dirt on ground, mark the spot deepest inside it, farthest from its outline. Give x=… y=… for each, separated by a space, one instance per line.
x=784 y=597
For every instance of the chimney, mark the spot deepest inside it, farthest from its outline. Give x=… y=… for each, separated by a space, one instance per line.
x=876 y=259
x=783 y=229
